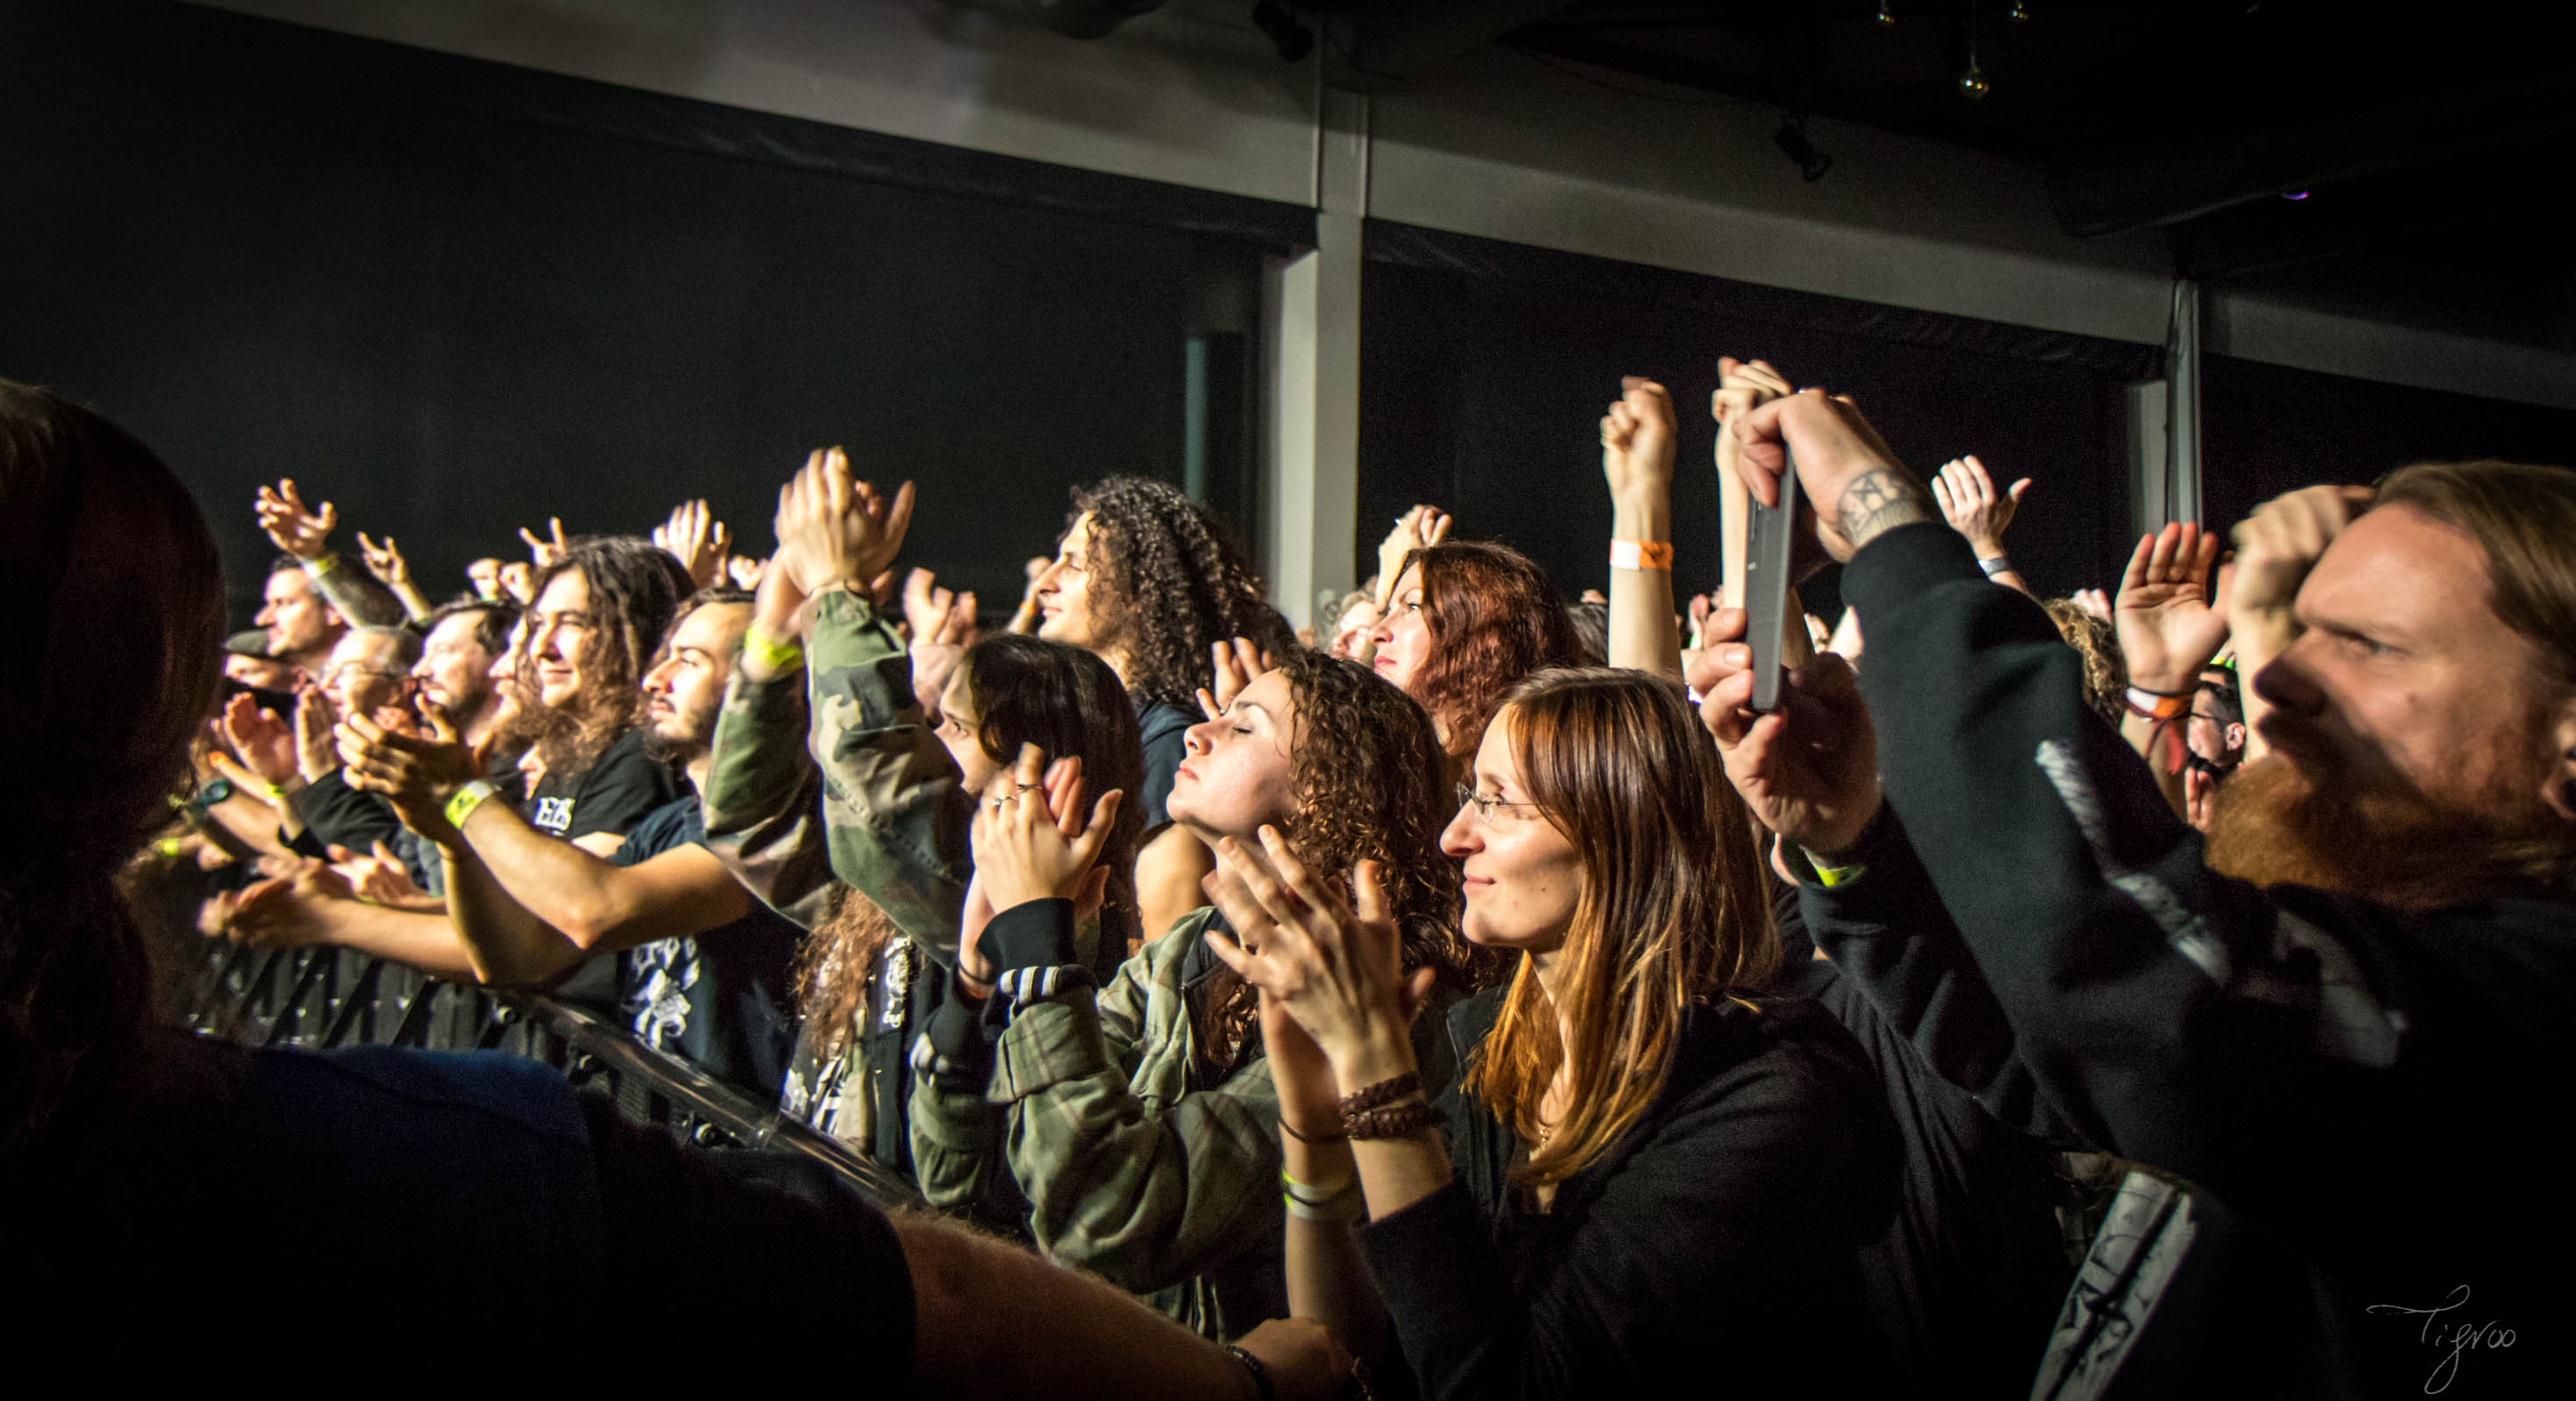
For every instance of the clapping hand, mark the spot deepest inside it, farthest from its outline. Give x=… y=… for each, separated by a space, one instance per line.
x=263 y=739
x=1808 y=770
x=1334 y=962
x=417 y=774
x=284 y=911
x=299 y=532
x=1236 y=664
x=1033 y=839
x=2168 y=629
x=838 y=532
x=943 y=627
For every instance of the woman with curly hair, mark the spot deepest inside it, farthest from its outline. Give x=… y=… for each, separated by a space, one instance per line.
x=1645 y=1164
x=1466 y=621
x=1151 y=582
x=1138 y=1119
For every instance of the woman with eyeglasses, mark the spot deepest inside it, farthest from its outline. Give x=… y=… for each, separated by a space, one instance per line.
x=1645 y=1170
x=1138 y=1118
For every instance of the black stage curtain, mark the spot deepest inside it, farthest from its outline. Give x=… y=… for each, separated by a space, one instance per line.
x=1485 y=368
x=455 y=297
x=2267 y=429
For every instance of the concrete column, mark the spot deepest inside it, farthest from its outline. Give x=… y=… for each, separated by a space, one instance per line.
x=1312 y=320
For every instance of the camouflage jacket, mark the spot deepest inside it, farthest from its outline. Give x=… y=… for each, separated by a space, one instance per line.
x=1136 y=1162
x=866 y=794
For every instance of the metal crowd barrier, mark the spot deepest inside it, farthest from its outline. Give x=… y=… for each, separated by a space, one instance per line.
x=323 y=998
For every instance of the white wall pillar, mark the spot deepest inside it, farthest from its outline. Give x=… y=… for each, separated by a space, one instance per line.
x=1312 y=318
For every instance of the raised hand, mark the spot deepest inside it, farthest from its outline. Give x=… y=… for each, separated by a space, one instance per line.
x=485 y=577
x=838 y=532
x=305 y=534
x=2093 y=601
x=1970 y=503
x=1637 y=440
x=385 y=561
x=1852 y=480
x=2168 y=630
x=263 y=739
x=698 y=540
x=1235 y=665
x=1809 y=770
x=746 y=571
x=544 y=552
x=1417 y=529
x=518 y=579
x=2277 y=546
x=943 y=627
x=1333 y=962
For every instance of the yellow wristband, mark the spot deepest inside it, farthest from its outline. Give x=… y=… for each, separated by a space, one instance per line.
x=467 y=799
x=320 y=565
x=168 y=846
x=1831 y=876
x=775 y=657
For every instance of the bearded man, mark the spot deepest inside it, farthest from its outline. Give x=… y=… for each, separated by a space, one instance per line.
x=2353 y=1066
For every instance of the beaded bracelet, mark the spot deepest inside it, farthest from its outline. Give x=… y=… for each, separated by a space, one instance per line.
x=1393 y=1121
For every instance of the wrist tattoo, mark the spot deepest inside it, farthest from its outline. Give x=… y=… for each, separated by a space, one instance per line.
x=1879 y=500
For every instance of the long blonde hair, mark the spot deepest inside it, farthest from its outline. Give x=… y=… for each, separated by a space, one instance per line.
x=1672 y=914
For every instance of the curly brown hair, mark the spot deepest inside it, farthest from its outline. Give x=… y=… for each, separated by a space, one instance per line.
x=1170 y=582
x=1495 y=618
x=2106 y=673
x=1370 y=784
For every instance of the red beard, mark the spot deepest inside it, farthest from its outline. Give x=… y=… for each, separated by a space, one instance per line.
x=2272 y=824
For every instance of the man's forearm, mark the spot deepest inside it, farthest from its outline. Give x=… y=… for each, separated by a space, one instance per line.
x=422 y=940
x=1878 y=501
x=505 y=945
x=554 y=881
x=358 y=599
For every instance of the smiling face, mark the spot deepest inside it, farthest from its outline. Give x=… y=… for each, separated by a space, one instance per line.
x=1404 y=634
x=1521 y=876
x=559 y=629
x=1239 y=773
x=1064 y=591
x=686 y=687
x=454 y=673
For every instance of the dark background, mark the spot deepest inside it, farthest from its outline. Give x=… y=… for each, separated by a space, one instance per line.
x=455 y=299
x=1485 y=370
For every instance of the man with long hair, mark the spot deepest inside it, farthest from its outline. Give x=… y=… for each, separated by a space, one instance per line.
x=2343 y=1016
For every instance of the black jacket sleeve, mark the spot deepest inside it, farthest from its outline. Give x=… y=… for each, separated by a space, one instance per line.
x=2319 y=1059
x=1887 y=931
x=339 y=815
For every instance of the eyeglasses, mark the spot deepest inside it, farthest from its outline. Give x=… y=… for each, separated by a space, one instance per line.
x=1484 y=804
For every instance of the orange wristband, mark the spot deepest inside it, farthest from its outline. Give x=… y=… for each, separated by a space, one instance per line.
x=1641 y=554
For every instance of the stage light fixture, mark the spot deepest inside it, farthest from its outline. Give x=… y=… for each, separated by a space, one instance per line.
x=1293 y=40
x=1885 y=15
x=1793 y=143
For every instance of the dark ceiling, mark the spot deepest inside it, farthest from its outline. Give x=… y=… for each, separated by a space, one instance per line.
x=2420 y=141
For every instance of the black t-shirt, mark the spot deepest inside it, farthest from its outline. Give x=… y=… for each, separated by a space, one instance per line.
x=724 y=998
x=624 y=787
x=613 y=795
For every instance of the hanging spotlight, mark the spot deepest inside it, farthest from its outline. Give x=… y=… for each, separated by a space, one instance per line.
x=1293 y=40
x=1885 y=15
x=2019 y=13
x=1793 y=143
x=1973 y=84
